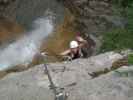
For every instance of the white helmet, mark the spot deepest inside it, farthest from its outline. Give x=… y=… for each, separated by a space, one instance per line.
x=74 y=44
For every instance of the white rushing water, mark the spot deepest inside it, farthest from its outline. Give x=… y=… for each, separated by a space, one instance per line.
x=23 y=50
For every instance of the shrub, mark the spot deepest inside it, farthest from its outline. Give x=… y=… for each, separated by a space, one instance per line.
x=118 y=39
x=130 y=59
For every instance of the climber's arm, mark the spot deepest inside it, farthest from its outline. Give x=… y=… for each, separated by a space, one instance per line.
x=65 y=53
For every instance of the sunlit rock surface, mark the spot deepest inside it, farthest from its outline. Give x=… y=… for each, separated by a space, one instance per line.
x=74 y=78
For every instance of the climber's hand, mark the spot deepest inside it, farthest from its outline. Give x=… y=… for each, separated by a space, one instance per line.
x=67 y=58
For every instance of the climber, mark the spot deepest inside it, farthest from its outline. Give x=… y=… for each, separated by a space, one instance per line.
x=75 y=50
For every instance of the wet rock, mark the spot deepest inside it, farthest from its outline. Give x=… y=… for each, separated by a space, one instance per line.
x=25 y=12
x=10 y=31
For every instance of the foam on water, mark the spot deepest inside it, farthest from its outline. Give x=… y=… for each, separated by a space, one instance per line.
x=22 y=51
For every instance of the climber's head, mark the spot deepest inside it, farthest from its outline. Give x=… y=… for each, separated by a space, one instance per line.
x=74 y=46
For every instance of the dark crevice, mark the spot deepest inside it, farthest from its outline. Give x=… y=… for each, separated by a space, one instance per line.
x=119 y=63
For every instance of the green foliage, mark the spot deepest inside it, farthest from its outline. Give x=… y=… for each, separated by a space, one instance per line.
x=129 y=11
x=122 y=3
x=119 y=38
x=130 y=59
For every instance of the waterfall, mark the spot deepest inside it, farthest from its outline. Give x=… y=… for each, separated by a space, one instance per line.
x=23 y=50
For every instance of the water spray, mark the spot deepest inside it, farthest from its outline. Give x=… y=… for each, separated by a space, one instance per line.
x=22 y=51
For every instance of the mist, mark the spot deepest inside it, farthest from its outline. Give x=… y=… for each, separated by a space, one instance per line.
x=23 y=50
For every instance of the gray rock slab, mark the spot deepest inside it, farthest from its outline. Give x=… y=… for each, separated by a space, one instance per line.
x=73 y=76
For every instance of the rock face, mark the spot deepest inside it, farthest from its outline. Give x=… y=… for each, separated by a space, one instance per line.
x=90 y=16
x=74 y=78
x=7 y=8
x=25 y=12
x=94 y=16
x=28 y=11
